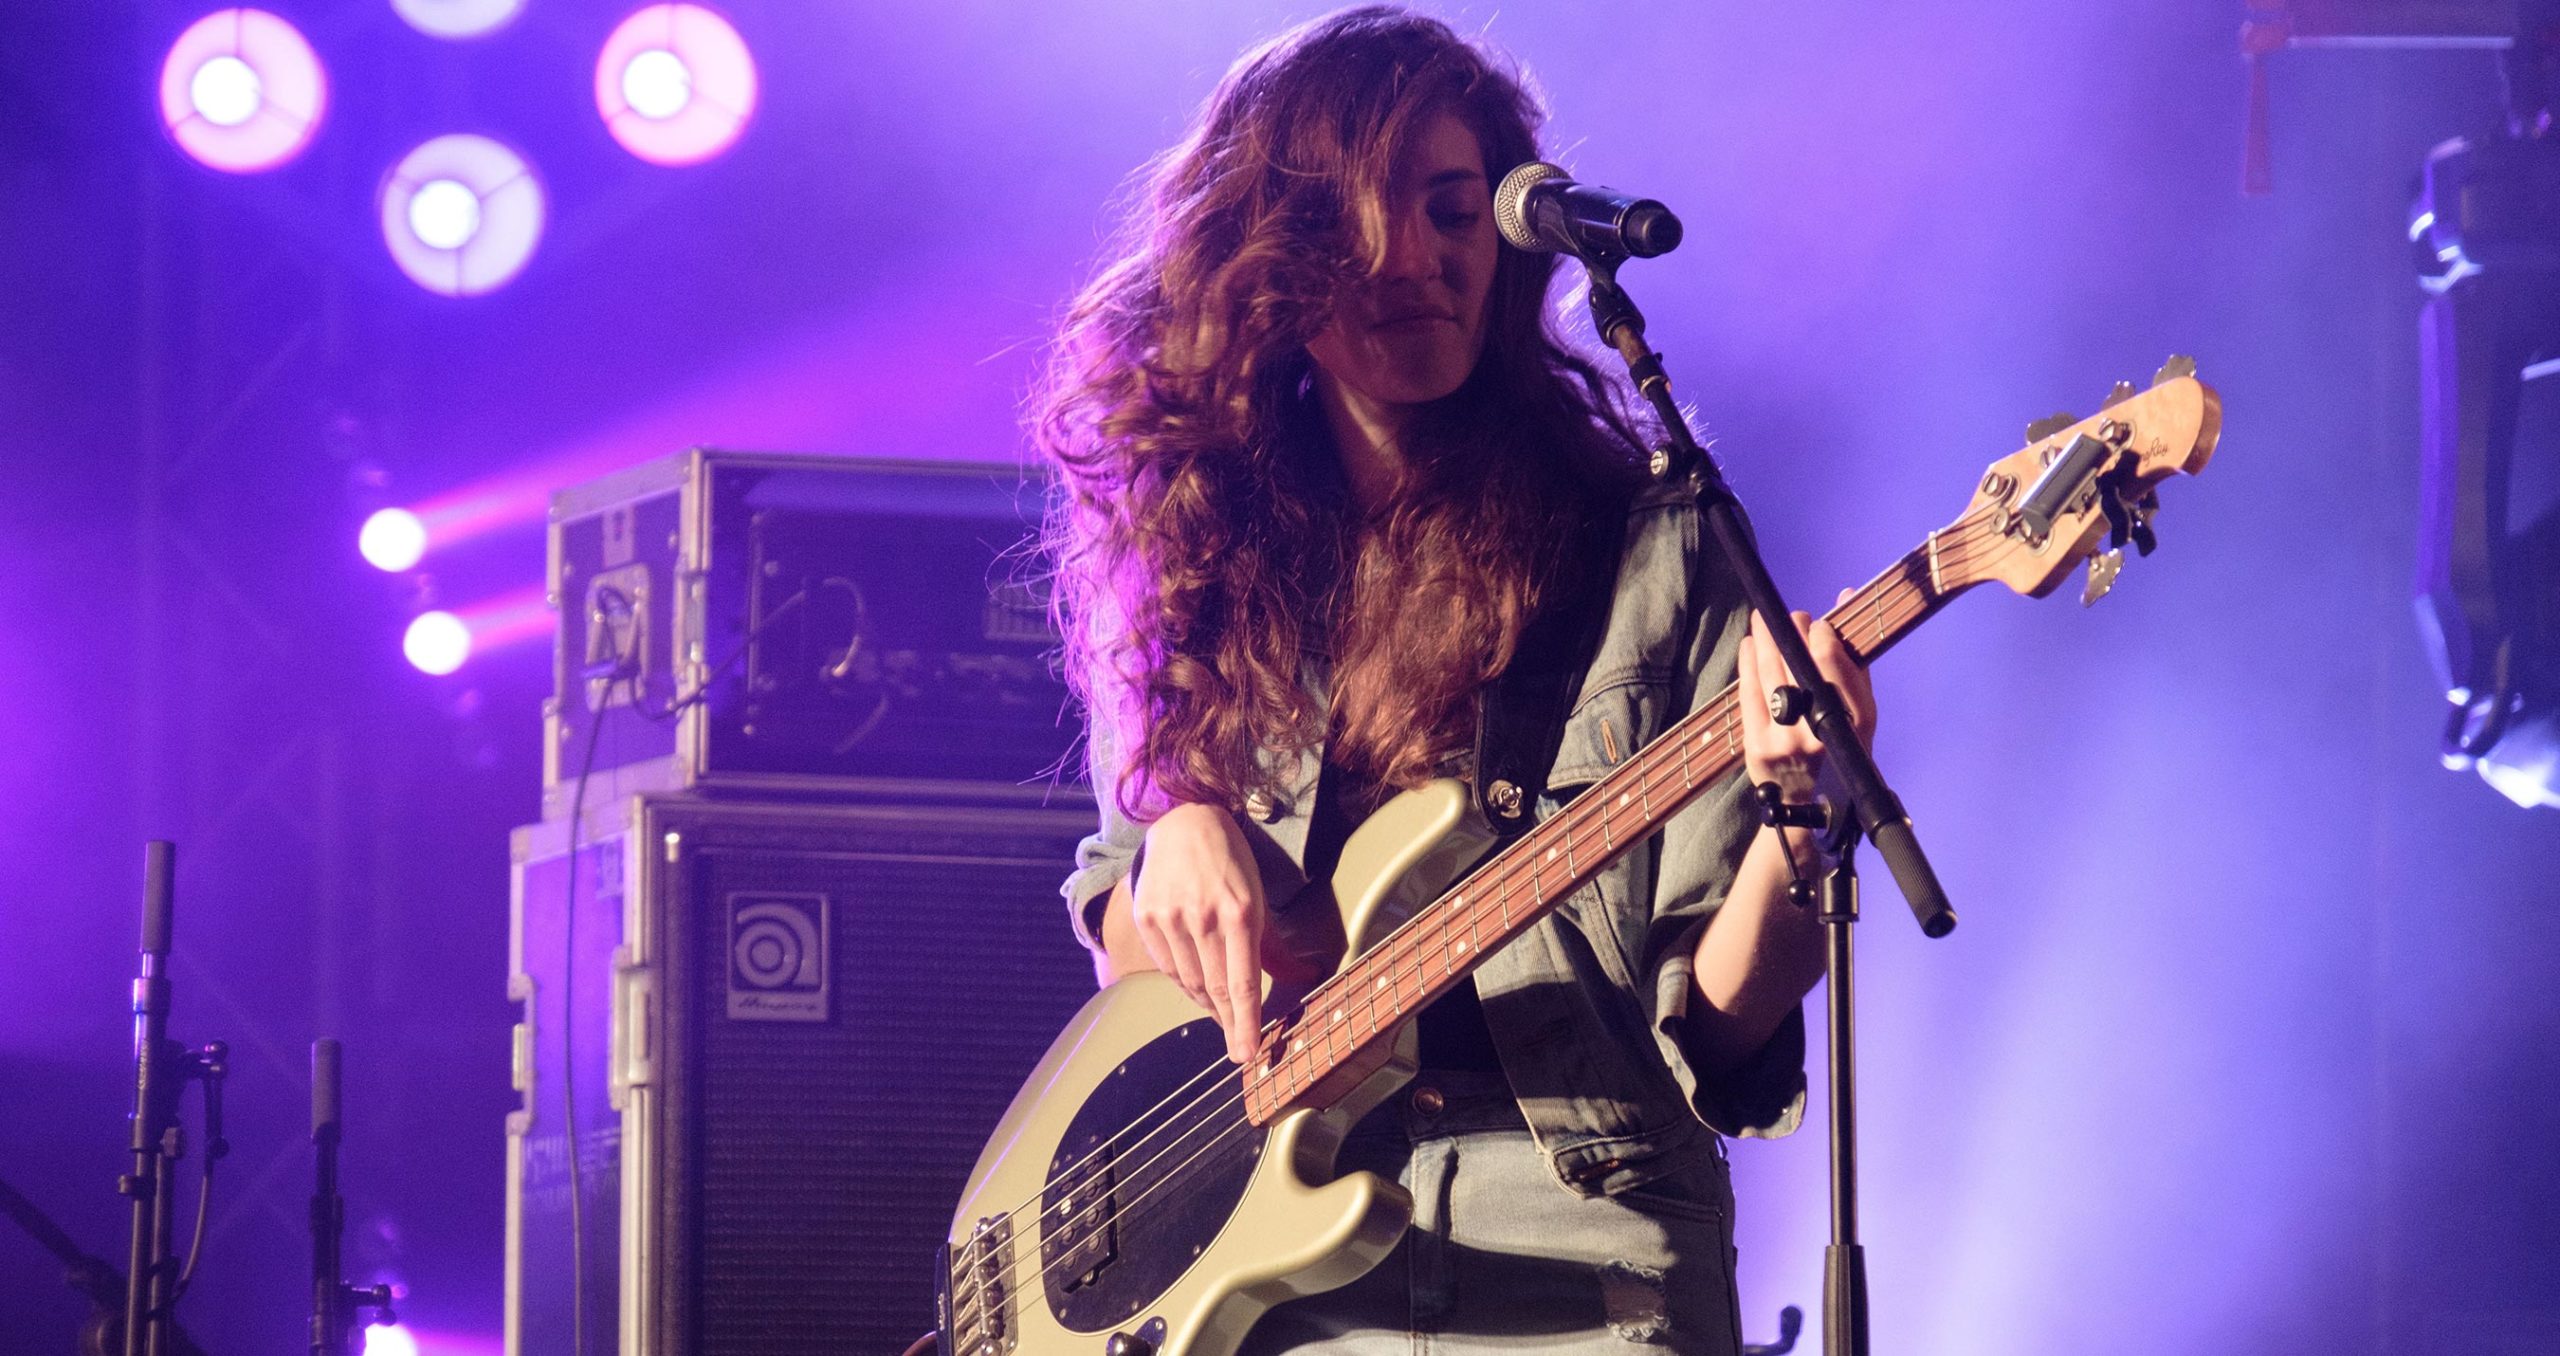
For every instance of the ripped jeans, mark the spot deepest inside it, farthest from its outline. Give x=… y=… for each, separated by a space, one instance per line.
x=1501 y=1258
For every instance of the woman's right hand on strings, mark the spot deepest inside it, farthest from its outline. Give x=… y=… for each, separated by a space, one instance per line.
x=1198 y=910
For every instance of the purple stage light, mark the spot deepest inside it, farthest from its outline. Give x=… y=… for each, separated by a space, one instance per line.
x=241 y=91
x=458 y=18
x=675 y=84
x=510 y=619
x=462 y=214
x=441 y=642
x=392 y=540
x=500 y=502
x=437 y=643
x=401 y=1339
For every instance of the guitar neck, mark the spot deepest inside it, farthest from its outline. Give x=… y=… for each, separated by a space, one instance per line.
x=1436 y=949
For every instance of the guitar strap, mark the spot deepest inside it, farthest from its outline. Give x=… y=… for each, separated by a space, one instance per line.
x=1520 y=715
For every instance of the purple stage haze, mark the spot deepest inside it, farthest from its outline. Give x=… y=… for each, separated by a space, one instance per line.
x=2245 y=1043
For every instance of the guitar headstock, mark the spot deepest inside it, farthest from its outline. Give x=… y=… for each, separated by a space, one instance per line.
x=2082 y=488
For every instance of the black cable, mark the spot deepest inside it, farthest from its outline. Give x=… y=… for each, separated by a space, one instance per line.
x=625 y=669
x=569 y=1021
x=622 y=672
x=211 y=1067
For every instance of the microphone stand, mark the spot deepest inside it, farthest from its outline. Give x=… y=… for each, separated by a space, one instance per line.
x=334 y=1303
x=162 y=1069
x=1872 y=808
x=1880 y=815
x=155 y=1136
x=1844 y=1262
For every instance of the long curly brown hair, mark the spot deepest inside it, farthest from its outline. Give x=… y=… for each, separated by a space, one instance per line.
x=1204 y=539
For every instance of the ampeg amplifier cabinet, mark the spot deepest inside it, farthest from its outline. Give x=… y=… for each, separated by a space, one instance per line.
x=788 y=624
x=781 y=1034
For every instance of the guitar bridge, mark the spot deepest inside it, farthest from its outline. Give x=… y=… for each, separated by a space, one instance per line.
x=977 y=1303
x=1081 y=1235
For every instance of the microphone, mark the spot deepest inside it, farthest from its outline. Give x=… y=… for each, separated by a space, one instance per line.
x=1540 y=210
x=325 y=1064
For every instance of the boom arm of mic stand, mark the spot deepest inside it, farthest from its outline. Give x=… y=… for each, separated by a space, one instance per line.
x=1879 y=812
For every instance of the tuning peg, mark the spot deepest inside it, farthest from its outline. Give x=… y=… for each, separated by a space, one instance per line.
x=2103 y=569
x=2050 y=425
x=2179 y=365
x=2119 y=520
x=2122 y=392
x=2145 y=540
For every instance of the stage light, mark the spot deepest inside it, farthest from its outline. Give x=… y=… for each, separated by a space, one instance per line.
x=458 y=18
x=437 y=642
x=225 y=91
x=461 y=215
x=392 y=539
x=444 y=214
x=509 y=619
x=656 y=84
x=675 y=84
x=242 y=91
x=389 y=1339
x=441 y=642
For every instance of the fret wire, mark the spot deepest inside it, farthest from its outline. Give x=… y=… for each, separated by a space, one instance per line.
x=1891 y=602
x=1877 y=603
x=1396 y=954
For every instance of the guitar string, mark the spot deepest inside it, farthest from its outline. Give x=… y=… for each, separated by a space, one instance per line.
x=1911 y=603
x=1220 y=1136
x=1906 y=601
x=1875 y=597
x=1879 y=596
x=1894 y=591
x=1406 y=957
x=1892 y=601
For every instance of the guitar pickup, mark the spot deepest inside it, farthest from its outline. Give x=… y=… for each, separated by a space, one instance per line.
x=1081 y=1236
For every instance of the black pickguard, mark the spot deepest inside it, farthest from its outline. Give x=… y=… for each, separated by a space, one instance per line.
x=1149 y=1172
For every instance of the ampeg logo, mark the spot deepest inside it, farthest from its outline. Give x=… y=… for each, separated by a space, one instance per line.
x=777 y=957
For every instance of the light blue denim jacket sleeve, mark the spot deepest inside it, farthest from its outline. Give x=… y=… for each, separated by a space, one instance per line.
x=1697 y=855
x=1589 y=1008
x=1103 y=859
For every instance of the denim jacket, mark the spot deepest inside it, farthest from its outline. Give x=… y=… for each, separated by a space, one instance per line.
x=1588 y=1008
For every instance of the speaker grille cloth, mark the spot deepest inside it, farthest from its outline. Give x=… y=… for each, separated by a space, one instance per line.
x=831 y=1153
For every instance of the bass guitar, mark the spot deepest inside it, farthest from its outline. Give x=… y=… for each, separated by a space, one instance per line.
x=1143 y=1196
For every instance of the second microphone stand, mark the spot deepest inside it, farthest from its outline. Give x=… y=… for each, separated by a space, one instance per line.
x=335 y=1305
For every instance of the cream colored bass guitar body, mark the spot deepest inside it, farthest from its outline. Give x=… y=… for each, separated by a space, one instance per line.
x=1128 y=1204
